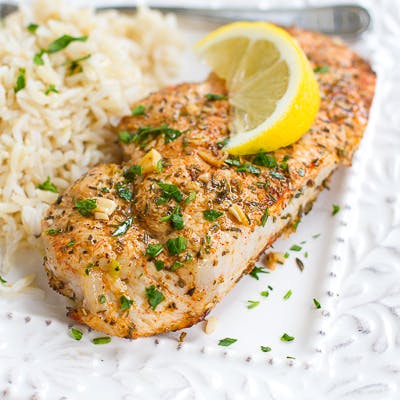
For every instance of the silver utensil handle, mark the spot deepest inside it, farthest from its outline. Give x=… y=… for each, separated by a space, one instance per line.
x=343 y=20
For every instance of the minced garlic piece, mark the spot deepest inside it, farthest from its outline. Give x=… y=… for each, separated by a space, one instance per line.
x=209 y=325
x=105 y=206
x=239 y=214
x=101 y=215
x=209 y=158
x=149 y=162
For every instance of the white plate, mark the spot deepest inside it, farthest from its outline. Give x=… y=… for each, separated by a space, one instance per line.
x=348 y=349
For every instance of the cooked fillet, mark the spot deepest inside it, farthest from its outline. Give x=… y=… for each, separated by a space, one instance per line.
x=119 y=289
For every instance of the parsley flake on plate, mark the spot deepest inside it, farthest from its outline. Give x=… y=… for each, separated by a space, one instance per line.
x=287 y=295
x=265 y=349
x=101 y=340
x=335 y=209
x=76 y=334
x=252 y=304
x=287 y=338
x=316 y=303
x=226 y=342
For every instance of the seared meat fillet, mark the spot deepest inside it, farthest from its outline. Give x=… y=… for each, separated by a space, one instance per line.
x=170 y=243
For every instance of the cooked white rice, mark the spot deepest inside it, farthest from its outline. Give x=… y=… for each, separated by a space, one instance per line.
x=62 y=134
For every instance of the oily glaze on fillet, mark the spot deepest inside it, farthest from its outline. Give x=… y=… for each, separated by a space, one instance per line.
x=225 y=211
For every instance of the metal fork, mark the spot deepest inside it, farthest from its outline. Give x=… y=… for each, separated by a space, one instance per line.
x=343 y=20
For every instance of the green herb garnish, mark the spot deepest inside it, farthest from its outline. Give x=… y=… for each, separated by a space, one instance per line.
x=125 y=303
x=257 y=270
x=322 y=69
x=123 y=191
x=101 y=340
x=214 y=96
x=76 y=334
x=190 y=198
x=212 y=215
x=47 y=185
x=32 y=27
x=153 y=250
x=176 y=245
x=159 y=166
x=252 y=304
x=276 y=175
x=287 y=338
x=102 y=299
x=154 y=297
x=125 y=137
x=123 y=227
x=265 y=349
x=223 y=143
x=265 y=160
x=286 y=255
x=170 y=191
x=296 y=247
x=316 y=303
x=74 y=66
x=235 y=162
x=2 y=280
x=21 y=83
x=70 y=243
x=287 y=295
x=159 y=265
x=131 y=173
x=226 y=342
x=249 y=168
x=335 y=209
x=51 y=89
x=38 y=59
x=175 y=218
x=86 y=206
x=270 y=287
x=176 y=265
x=138 y=110
x=264 y=219
x=62 y=42
x=265 y=293
x=146 y=133
x=53 y=231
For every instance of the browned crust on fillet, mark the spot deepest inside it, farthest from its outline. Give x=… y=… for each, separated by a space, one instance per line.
x=195 y=160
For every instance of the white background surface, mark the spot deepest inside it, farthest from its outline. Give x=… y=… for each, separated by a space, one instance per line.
x=349 y=349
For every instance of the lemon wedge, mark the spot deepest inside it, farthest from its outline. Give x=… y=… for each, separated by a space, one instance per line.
x=272 y=88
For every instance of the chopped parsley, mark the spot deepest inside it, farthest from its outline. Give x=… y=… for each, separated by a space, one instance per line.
x=154 y=296
x=159 y=166
x=176 y=265
x=32 y=27
x=287 y=295
x=125 y=137
x=265 y=349
x=105 y=190
x=286 y=255
x=257 y=270
x=123 y=191
x=296 y=247
x=70 y=243
x=235 y=162
x=125 y=303
x=276 y=175
x=101 y=340
x=265 y=160
x=264 y=219
x=153 y=250
x=249 y=168
x=21 y=82
x=265 y=293
x=252 y=304
x=53 y=231
x=176 y=245
x=335 y=209
x=131 y=173
x=48 y=186
x=170 y=191
x=212 y=215
x=287 y=338
x=89 y=267
x=86 y=206
x=316 y=236
x=226 y=342
x=51 y=89
x=76 y=334
x=74 y=66
x=321 y=69
x=316 y=303
x=270 y=287
x=190 y=198
x=159 y=265
x=123 y=227
x=62 y=42
x=146 y=133
x=102 y=299
x=138 y=110
x=2 y=280
x=38 y=58
x=175 y=218
x=223 y=143
x=214 y=96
